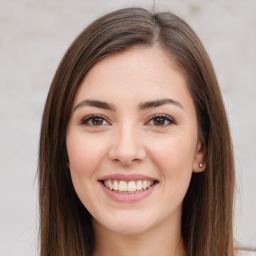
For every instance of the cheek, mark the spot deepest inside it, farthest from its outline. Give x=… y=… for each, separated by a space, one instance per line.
x=174 y=151
x=84 y=155
x=174 y=160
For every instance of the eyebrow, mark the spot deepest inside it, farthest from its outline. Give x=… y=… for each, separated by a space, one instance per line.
x=95 y=103
x=142 y=106
x=157 y=103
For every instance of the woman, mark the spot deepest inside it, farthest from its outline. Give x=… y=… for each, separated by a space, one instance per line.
x=135 y=150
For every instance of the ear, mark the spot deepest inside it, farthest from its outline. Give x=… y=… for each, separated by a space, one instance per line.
x=199 y=163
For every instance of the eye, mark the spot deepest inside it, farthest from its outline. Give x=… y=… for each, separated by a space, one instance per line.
x=94 y=120
x=161 y=120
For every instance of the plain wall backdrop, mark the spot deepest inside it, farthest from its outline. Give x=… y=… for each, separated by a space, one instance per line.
x=34 y=35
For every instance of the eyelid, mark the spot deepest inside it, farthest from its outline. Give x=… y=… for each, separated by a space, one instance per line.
x=84 y=120
x=91 y=116
x=167 y=117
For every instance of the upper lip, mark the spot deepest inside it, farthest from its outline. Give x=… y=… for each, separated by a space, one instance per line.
x=125 y=177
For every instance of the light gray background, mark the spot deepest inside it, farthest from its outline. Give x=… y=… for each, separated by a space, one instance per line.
x=34 y=35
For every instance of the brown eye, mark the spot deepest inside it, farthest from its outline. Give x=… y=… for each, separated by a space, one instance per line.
x=94 y=121
x=161 y=120
x=97 y=121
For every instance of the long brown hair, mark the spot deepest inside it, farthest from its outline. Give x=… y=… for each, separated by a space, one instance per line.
x=65 y=225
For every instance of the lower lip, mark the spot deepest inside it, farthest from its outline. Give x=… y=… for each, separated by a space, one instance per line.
x=128 y=197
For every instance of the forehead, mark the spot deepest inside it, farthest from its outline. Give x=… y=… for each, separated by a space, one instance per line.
x=138 y=73
x=146 y=61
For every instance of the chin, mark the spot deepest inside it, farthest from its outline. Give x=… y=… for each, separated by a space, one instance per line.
x=130 y=229
x=126 y=224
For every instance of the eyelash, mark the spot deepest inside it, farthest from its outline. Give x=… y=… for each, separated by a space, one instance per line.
x=164 y=117
x=90 y=118
x=87 y=119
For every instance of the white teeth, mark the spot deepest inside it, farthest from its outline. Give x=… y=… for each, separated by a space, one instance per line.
x=110 y=185
x=131 y=186
x=139 y=185
x=115 y=185
x=144 y=184
x=122 y=186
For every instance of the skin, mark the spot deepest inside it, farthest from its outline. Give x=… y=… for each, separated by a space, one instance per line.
x=127 y=141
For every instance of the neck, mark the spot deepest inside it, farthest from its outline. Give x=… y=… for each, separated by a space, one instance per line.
x=164 y=240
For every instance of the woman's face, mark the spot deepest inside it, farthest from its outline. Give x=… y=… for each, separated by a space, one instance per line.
x=132 y=141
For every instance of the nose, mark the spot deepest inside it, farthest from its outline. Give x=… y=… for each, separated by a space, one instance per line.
x=127 y=147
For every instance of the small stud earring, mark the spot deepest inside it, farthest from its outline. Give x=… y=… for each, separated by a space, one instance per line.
x=200 y=165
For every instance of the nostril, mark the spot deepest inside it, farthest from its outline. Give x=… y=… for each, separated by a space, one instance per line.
x=127 y=160
x=126 y=150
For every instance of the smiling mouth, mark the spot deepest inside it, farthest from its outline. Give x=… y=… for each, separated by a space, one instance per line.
x=121 y=186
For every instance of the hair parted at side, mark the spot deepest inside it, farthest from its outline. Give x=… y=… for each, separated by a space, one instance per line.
x=65 y=225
